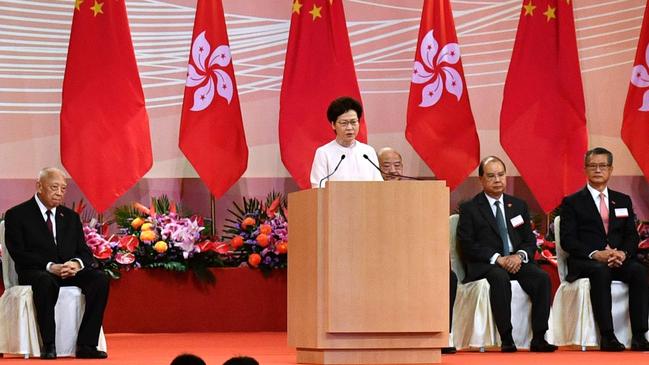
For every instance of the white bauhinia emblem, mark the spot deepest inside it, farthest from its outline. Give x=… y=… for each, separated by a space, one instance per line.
x=438 y=70
x=206 y=75
x=640 y=78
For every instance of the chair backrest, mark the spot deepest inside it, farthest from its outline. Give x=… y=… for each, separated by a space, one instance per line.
x=562 y=256
x=9 y=276
x=456 y=262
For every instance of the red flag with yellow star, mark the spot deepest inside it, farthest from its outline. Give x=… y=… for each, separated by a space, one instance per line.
x=635 y=124
x=440 y=124
x=543 y=119
x=319 y=68
x=105 y=139
x=211 y=127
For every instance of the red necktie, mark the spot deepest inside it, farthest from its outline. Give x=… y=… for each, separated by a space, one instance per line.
x=603 y=211
x=49 y=221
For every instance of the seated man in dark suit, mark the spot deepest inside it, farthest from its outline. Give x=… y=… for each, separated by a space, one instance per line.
x=391 y=165
x=497 y=243
x=598 y=231
x=46 y=241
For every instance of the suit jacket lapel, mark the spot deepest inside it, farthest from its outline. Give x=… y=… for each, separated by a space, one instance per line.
x=485 y=209
x=509 y=214
x=42 y=225
x=592 y=208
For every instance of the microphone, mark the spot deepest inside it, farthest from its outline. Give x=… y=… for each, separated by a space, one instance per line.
x=389 y=173
x=342 y=157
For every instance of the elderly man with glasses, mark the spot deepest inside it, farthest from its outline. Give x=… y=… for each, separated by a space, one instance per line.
x=344 y=158
x=598 y=231
x=495 y=235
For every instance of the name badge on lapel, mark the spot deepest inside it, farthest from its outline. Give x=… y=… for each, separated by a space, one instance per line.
x=621 y=212
x=517 y=221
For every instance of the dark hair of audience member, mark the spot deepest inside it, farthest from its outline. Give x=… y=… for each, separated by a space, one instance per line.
x=187 y=359
x=241 y=360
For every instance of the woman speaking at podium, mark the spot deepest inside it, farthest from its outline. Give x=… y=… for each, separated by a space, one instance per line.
x=344 y=158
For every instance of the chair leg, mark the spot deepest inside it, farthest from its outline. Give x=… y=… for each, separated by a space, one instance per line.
x=482 y=349
x=583 y=348
x=26 y=356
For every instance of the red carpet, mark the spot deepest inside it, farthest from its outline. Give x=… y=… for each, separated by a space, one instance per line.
x=270 y=348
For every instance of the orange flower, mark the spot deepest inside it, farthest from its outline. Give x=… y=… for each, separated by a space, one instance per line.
x=236 y=242
x=247 y=222
x=141 y=208
x=148 y=236
x=263 y=240
x=254 y=259
x=281 y=247
x=160 y=247
x=265 y=229
x=137 y=223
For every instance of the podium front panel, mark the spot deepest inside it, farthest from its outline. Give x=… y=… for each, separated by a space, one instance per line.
x=386 y=246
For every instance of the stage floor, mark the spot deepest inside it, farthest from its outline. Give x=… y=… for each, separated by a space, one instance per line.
x=270 y=348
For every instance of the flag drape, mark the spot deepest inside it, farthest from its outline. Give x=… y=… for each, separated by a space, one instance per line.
x=440 y=124
x=319 y=68
x=543 y=120
x=105 y=139
x=635 y=123
x=212 y=136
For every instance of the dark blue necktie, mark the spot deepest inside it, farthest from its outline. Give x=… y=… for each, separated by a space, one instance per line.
x=502 y=228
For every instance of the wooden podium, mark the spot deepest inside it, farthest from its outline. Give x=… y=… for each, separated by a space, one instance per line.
x=368 y=273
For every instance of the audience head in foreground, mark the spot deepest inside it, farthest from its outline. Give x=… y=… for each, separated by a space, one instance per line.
x=241 y=360
x=187 y=359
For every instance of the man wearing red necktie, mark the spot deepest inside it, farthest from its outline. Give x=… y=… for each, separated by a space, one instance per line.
x=598 y=231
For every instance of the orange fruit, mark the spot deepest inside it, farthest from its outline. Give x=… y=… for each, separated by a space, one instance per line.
x=247 y=222
x=281 y=247
x=137 y=223
x=254 y=259
x=265 y=229
x=263 y=240
x=160 y=247
x=236 y=242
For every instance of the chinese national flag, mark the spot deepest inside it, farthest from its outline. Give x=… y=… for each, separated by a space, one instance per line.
x=635 y=125
x=319 y=68
x=105 y=140
x=211 y=127
x=440 y=125
x=543 y=121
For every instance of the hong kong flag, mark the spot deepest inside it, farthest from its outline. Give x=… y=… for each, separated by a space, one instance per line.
x=318 y=69
x=211 y=128
x=543 y=118
x=635 y=125
x=105 y=140
x=440 y=125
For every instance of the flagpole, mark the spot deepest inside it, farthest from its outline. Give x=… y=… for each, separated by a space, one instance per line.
x=213 y=215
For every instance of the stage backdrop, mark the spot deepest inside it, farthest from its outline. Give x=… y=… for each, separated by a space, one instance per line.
x=383 y=33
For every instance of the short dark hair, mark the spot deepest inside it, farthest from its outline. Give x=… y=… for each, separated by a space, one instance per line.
x=341 y=106
x=486 y=160
x=187 y=359
x=241 y=360
x=599 y=151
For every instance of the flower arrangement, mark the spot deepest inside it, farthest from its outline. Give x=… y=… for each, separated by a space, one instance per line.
x=155 y=237
x=643 y=247
x=257 y=233
x=546 y=249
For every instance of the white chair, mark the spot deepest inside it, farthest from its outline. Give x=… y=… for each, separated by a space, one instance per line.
x=572 y=316
x=19 y=329
x=473 y=322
